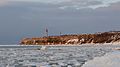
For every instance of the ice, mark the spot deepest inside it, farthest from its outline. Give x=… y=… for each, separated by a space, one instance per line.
x=109 y=60
x=53 y=56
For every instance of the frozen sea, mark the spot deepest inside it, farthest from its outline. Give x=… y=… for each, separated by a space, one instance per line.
x=59 y=56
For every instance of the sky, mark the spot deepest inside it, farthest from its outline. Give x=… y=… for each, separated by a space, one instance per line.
x=29 y=18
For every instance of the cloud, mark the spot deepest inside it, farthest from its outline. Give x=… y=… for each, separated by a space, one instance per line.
x=80 y=4
x=3 y=2
x=77 y=4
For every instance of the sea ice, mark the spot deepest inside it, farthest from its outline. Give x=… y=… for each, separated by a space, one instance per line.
x=74 y=56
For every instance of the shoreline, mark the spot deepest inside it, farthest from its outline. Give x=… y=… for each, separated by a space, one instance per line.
x=88 y=44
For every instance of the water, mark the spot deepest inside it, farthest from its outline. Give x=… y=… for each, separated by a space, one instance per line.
x=52 y=56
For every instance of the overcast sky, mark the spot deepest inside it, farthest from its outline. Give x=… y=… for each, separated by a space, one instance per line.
x=29 y=18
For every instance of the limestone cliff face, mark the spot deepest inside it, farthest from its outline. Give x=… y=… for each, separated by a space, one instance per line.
x=105 y=37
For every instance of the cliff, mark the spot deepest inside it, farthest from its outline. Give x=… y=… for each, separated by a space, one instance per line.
x=105 y=37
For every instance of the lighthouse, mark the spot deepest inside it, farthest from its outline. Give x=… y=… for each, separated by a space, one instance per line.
x=46 y=32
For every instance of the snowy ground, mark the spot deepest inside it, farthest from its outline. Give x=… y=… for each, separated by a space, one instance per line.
x=109 y=60
x=53 y=56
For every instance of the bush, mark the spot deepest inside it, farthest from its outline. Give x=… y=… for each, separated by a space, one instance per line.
x=54 y=40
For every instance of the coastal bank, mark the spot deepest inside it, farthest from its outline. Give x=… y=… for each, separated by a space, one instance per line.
x=74 y=39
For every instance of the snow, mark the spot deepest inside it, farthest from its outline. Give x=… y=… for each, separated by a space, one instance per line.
x=72 y=41
x=109 y=60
